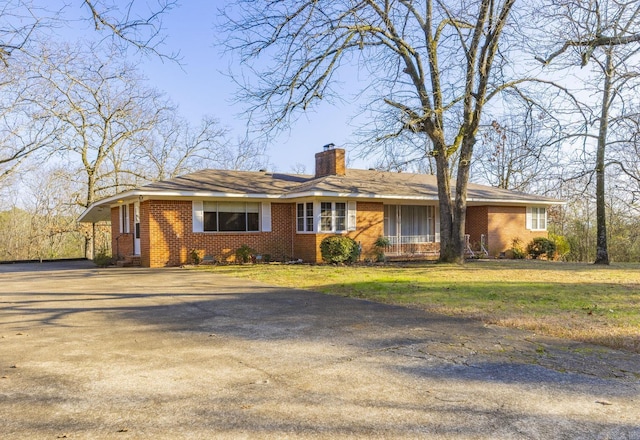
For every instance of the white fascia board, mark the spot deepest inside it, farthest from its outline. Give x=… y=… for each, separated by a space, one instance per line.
x=212 y=195
x=356 y=196
x=92 y=210
x=141 y=194
x=519 y=202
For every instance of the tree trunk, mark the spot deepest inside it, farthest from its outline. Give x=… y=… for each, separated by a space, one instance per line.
x=602 y=254
x=451 y=228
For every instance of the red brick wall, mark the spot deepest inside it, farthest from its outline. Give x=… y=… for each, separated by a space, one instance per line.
x=477 y=223
x=369 y=226
x=171 y=239
x=506 y=223
x=121 y=244
x=330 y=162
x=145 y=236
x=167 y=238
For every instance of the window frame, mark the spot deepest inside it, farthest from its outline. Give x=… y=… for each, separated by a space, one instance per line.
x=305 y=217
x=536 y=214
x=247 y=222
x=125 y=218
x=332 y=213
x=397 y=218
x=333 y=218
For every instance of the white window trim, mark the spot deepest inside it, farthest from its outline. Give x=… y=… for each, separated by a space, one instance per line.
x=305 y=217
x=123 y=214
x=347 y=214
x=198 y=216
x=529 y=218
x=350 y=220
x=264 y=218
x=352 y=217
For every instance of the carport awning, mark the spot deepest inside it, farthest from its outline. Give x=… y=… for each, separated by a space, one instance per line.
x=96 y=213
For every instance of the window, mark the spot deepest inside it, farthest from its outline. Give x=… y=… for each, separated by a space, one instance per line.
x=415 y=223
x=333 y=216
x=326 y=216
x=536 y=218
x=341 y=216
x=304 y=217
x=231 y=217
x=124 y=219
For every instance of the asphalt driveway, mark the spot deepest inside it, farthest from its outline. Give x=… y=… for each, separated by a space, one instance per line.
x=173 y=353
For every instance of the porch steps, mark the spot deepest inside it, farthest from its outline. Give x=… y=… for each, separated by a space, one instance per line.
x=130 y=261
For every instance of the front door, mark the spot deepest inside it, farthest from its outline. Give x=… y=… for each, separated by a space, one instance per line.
x=136 y=228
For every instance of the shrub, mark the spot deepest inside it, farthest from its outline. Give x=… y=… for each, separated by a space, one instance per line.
x=541 y=246
x=339 y=249
x=243 y=254
x=102 y=259
x=563 y=247
x=517 y=250
x=380 y=244
x=195 y=256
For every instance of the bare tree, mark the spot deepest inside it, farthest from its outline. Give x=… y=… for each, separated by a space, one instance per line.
x=243 y=154
x=134 y=23
x=53 y=227
x=603 y=35
x=24 y=129
x=25 y=25
x=433 y=64
x=101 y=106
x=175 y=147
x=517 y=150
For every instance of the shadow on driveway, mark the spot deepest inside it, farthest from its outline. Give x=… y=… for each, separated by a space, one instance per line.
x=170 y=353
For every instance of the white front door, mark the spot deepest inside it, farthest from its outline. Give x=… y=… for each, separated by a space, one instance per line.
x=136 y=228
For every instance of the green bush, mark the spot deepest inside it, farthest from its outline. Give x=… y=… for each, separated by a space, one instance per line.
x=517 y=250
x=195 y=256
x=380 y=244
x=243 y=254
x=339 y=249
x=102 y=259
x=541 y=246
x=563 y=247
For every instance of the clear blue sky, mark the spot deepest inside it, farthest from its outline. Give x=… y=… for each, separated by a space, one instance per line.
x=200 y=87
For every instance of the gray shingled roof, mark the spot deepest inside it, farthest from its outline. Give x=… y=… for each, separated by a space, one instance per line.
x=356 y=183
x=362 y=183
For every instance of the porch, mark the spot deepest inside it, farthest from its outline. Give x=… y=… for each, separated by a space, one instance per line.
x=427 y=246
x=412 y=246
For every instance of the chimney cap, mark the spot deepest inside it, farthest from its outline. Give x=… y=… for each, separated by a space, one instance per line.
x=328 y=146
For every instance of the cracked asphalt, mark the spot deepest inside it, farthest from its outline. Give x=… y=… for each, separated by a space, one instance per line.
x=132 y=353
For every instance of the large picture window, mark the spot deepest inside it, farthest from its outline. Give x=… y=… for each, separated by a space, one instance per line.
x=412 y=222
x=231 y=217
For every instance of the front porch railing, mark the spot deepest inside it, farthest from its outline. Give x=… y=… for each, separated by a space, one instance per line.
x=412 y=245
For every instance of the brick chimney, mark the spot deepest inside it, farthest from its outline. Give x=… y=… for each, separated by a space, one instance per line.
x=330 y=162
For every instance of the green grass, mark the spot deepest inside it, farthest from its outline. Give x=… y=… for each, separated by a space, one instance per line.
x=583 y=302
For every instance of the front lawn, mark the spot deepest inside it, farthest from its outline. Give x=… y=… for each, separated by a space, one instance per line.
x=583 y=302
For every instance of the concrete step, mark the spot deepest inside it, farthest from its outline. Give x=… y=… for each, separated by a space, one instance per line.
x=130 y=261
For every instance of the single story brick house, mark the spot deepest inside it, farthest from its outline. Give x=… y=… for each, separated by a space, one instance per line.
x=285 y=216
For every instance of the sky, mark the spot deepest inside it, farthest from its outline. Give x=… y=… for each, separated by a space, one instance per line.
x=201 y=87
